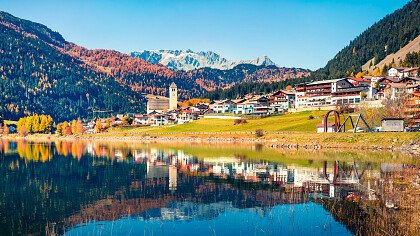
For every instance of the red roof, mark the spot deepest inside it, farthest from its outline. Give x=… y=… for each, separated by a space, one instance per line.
x=359 y=79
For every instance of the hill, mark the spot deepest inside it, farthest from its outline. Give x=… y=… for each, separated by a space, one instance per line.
x=43 y=73
x=384 y=38
x=36 y=77
x=397 y=57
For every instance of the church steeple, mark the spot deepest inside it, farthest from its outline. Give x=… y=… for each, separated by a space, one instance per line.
x=173 y=97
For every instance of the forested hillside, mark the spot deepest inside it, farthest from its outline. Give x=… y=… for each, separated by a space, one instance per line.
x=242 y=89
x=214 y=78
x=384 y=37
x=37 y=78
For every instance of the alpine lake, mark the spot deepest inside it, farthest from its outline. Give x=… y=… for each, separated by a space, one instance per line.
x=94 y=188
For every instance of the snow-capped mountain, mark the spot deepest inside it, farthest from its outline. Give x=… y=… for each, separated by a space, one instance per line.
x=188 y=60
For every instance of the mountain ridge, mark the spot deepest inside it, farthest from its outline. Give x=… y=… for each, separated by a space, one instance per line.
x=189 y=60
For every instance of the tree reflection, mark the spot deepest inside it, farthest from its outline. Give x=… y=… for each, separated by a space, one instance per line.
x=47 y=187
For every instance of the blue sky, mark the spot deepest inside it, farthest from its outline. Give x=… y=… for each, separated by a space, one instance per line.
x=295 y=33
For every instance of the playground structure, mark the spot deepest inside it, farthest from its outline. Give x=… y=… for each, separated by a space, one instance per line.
x=342 y=127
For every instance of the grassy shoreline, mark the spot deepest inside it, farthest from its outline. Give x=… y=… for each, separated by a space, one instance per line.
x=292 y=130
x=390 y=141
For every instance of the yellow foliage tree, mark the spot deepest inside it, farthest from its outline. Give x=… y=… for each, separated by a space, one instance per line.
x=361 y=74
x=193 y=102
x=74 y=127
x=98 y=126
x=79 y=127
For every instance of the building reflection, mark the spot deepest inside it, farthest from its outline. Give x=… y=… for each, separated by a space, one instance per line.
x=88 y=181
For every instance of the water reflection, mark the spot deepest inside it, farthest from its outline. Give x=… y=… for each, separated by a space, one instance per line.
x=79 y=187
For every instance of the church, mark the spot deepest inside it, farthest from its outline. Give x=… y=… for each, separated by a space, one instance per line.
x=162 y=104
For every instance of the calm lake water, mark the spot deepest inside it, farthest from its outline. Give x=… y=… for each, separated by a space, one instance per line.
x=87 y=188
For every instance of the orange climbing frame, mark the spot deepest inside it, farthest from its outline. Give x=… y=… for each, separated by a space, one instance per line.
x=336 y=120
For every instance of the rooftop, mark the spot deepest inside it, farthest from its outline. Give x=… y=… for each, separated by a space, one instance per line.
x=326 y=81
x=151 y=96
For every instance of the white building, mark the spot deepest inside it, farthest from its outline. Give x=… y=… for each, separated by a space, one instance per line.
x=221 y=106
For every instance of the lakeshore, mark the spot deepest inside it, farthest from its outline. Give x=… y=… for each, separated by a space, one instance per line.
x=409 y=142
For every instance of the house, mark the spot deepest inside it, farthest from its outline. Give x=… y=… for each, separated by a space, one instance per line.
x=89 y=127
x=403 y=72
x=246 y=107
x=395 y=71
x=118 y=120
x=159 y=119
x=359 y=81
x=261 y=107
x=393 y=124
x=202 y=107
x=238 y=106
x=186 y=116
x=330 y=127
x=221 y=106
x=412 y=72
x=235 y=104
x=412 y=106
x=282 y=100
x=262 y=111
x=143 y=120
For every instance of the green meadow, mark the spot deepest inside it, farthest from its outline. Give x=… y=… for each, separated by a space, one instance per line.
x=292 y=122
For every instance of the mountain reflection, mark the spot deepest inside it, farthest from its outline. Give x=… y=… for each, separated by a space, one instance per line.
x=50 y=187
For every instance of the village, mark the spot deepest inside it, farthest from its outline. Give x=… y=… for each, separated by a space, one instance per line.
x=347 y=92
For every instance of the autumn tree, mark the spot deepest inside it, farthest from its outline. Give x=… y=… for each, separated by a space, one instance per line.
x=79 y=127
x=6 y=130
x=127 y=120
x=372 y=115
x=59 y=129
x=50 y=124
x=64 y=127
x=36 y=124
x=22 y=131
x=73 y=127
x=394 y=108
x=98 y=126
x=68 y=130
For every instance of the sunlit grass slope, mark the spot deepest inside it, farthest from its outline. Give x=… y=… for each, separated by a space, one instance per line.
x=298 y=122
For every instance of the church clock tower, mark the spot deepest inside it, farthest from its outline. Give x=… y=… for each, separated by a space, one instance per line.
x=173 y=97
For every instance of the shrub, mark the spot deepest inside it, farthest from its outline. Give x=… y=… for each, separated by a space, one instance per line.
x=259 y=133
x=239 y=121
